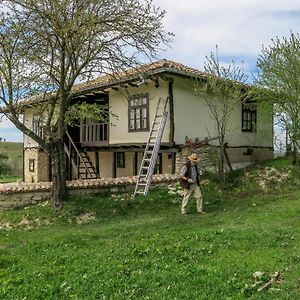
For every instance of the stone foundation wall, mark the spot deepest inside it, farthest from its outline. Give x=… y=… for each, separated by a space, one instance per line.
x=30 y=164
x=240 y=155
x=36 y=165
x=43 y=166
x=21 y=194
x=208 y=156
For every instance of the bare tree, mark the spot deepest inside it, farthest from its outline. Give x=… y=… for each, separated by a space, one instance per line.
x=48 y=45
x=222 y=91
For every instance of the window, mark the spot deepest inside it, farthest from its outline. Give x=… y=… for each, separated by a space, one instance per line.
x=31 y=165
x=158 y=166
x=37 y=126
x=249 y=112
x=138 y=113
x=120 y=160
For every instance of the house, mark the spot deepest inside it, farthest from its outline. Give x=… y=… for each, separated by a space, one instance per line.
x=116 y=149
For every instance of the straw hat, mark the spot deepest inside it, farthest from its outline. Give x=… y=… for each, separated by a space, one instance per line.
x=193 y=157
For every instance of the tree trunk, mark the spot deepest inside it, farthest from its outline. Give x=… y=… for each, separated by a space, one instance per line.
x=58 y=174
x=221 y=160
x=295 y=157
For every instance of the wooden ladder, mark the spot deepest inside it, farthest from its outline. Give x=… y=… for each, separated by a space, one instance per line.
x=152 y=148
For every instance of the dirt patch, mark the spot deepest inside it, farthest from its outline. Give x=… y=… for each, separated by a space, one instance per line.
x=85 y=218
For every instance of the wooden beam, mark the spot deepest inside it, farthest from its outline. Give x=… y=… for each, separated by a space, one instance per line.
x=171 y=109
x=173 y=163
x=132 y=84
x=114 y=165
x=135 y=163
x=97 y=162
x=100 y=93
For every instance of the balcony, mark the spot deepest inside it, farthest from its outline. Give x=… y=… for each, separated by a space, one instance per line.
x=94 y=134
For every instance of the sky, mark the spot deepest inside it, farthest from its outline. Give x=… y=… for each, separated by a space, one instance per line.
x=239 y=27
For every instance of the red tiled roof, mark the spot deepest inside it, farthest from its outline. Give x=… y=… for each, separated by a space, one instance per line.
x=146 y=70
x=134 y=74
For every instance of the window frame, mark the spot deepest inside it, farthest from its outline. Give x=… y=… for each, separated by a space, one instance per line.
x=37 y=126
x=31 y=165
x=135 y=108
x=120 y=159
x=159 y=164
x=249 y=124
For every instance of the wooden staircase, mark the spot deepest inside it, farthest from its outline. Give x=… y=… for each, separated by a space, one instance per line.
x=79 y=160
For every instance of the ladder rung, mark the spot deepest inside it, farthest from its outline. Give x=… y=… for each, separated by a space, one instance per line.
x=152 y=147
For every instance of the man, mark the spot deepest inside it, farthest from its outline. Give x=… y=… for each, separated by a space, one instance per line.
x=188 y=179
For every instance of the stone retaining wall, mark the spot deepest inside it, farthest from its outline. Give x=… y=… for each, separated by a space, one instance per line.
x=207 y=155
x=20 y=194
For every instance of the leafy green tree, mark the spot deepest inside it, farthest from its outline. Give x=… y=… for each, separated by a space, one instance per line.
x=48 y=45
x=278 y=83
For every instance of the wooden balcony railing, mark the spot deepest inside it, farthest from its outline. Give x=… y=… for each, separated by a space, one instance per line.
x=94 y=134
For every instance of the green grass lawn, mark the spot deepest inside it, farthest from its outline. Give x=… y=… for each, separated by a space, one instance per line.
x=116 y=247
x=9 y=178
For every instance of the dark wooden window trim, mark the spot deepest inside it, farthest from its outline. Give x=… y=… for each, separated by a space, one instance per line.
x=136 y=108
x=31 y=165
x=120 y=159
x=249 y=117
x=158 y=166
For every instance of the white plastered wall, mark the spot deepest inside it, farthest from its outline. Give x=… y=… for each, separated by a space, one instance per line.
x=118 y=102
x=193 y=118
x=28 y=116
x=105 y=163
x=129 y=166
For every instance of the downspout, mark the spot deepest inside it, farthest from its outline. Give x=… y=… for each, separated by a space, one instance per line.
x=171 y=111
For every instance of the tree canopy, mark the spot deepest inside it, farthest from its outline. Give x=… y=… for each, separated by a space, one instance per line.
x=279 y=83
x=46 y=46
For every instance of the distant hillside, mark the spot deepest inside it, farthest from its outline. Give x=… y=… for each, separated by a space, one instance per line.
x=15 y=153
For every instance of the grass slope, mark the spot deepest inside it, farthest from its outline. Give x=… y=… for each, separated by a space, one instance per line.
x=15 y=153
x=12 y=149
x=116 y=247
